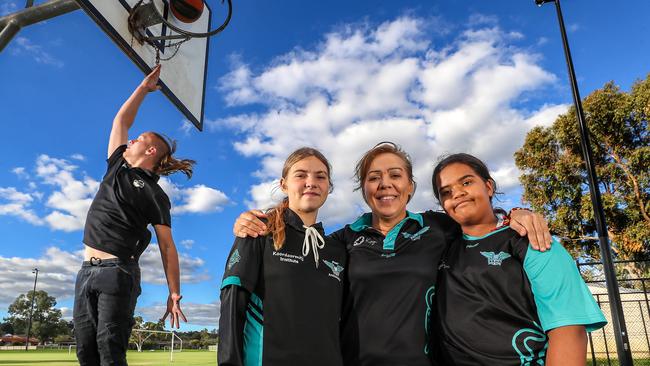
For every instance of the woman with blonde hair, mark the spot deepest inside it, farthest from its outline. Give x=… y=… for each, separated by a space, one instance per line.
x=282 y=291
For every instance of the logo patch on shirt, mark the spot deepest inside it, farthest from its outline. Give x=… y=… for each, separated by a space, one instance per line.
x=472 y=245
x=416 y=236
x=336 y=269
x=495 y=259
x=234 y=258
x=138 y=183
x=530 y=344
x=362 y=239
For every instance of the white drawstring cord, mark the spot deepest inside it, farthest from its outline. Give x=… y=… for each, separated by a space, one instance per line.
x=314 y=240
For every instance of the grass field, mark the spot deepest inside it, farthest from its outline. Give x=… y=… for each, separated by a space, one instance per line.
x=185 y=358
x=62 y=358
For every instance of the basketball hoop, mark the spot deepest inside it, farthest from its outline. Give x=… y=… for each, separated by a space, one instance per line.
x=144 y=15
x=174 y=31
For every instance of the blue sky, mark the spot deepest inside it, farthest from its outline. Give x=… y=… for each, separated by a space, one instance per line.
x=435 y=76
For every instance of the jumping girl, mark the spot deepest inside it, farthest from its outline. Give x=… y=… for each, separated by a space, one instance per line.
x=500 y=303
x=282 y=291
x=116 y=234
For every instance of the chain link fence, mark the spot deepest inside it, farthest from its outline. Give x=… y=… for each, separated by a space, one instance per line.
x=634 y=283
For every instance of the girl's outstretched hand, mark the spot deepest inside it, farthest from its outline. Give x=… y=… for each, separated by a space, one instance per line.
x=150 y=82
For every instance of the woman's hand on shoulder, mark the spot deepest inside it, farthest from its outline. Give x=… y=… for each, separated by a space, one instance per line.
x=532 y=225
x=249 y=224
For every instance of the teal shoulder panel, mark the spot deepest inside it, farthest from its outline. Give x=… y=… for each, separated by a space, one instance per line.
x=561 y=296
x=231 y=280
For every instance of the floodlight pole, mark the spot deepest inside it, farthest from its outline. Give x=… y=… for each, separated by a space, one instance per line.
x=11 y=24
x=618 y=318
x=31 y=311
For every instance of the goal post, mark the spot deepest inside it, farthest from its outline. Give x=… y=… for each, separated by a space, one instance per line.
x=176 y=341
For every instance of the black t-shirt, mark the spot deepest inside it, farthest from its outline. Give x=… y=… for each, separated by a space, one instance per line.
x=128 y=200
x=497 y=299
x=294 y=310
x=389 y=295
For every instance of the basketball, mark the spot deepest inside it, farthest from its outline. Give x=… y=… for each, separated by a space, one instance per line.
x=187 y=11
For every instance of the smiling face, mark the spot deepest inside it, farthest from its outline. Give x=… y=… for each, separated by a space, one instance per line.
x=464 y=195
x=306 y=185
x=387 y=187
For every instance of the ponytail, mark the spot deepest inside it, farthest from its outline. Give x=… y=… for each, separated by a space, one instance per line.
x=276 y=223
x=168 y=164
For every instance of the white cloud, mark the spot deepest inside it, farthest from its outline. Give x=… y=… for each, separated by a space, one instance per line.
x=197 y=314
x=24 y=45
x=482 y=19
x=192 y=270
x=186 y=127
x=16 y=203
x=197 y=199
x=546 y=115
x=57 y=273
x=72 y=199
x=58 y=270
x=66 y=313
x=66 y=205
x=187 y=243
x=13 y=195
x=19 y=171
x=362 y=85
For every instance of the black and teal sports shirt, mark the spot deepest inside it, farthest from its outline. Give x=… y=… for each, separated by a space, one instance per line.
x=390 y=288
x=293 y=312
x=497 y=300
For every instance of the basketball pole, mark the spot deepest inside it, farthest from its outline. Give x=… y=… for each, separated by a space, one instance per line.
x=11 y=24
x=618 y=317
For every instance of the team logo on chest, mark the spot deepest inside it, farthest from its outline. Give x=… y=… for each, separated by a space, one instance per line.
x=363 y=240
x=336 y=269
x=416 y=236
x=138 y=183
x=495 y=259
x=234 y=258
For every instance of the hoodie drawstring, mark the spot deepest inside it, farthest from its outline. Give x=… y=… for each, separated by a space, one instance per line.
x=313 y=240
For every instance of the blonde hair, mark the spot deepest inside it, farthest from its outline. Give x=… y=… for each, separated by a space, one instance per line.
x=275 y=215
x=168 y=164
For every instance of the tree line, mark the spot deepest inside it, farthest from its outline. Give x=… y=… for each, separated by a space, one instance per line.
x=48 y=325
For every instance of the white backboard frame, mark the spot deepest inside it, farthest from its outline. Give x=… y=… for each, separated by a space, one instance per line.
x=183 y=77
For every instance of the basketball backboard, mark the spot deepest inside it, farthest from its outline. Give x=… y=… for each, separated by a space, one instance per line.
x=182 y=78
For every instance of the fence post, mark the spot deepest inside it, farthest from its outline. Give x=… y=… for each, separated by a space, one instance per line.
x=591 y=345
x=645 y=329
x=609 y=360
x=647 y=304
